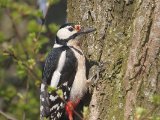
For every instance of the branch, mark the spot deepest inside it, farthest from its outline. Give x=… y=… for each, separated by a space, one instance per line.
x=16 y=58
x=17 y=32
x=11 y=54
x=7 y=116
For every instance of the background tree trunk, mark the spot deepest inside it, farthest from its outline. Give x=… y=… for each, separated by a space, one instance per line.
x=127 y=40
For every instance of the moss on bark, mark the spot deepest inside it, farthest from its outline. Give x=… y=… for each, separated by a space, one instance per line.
x=118 y=30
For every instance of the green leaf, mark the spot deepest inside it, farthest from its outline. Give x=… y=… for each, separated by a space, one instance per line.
x=140 y=112
x=53 y=27
x=10 y=92
x=38 y=13
x=51 y=89
x=16 y=16
x=155 y=118
x=21 y=70
x=33 y=26
x=60 y=93
x=31 y=63
x=85 y=111
x=4 y=3
x=155 y=99
x=38 y=83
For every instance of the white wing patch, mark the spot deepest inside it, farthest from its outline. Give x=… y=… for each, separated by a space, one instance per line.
x=53 y=98
x=58 y=115
x=54 y=107
x=65 y=84
x=42 y=99
x=55 y=78
x=42 y=87
x=41 y=108
x=56 y=75
x=61 y=104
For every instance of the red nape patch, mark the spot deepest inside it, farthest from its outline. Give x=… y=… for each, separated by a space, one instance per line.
x=77 y=27
x=70 y=108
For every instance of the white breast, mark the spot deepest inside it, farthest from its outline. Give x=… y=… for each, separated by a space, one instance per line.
x=79 y=86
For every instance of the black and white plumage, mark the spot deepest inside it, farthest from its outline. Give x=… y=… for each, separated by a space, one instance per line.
x=65 y=70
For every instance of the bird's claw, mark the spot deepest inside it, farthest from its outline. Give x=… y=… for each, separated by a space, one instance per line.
x=94 y=78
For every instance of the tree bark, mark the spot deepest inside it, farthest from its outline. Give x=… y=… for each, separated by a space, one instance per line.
x=127 y=41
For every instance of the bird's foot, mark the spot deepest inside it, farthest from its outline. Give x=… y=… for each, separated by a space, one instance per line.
x=96 y=76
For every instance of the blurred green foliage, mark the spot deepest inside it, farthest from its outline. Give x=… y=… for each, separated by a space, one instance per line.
x=149 y=114
x=23 y=49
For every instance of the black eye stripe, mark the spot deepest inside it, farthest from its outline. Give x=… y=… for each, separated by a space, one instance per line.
x=70 y=29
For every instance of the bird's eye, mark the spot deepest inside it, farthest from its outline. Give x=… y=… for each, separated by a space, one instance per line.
x=70 y=29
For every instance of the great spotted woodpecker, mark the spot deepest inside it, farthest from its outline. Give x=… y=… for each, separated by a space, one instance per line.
x=64 y=69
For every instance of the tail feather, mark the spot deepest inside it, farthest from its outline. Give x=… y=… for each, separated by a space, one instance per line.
x=52 y=105
x=44 y=104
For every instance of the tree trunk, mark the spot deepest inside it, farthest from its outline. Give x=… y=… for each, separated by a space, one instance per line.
x=127 y=41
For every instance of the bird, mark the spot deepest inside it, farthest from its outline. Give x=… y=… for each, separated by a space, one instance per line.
x=65 y=71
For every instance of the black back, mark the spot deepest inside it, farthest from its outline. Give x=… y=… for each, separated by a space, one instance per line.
x=65 y=83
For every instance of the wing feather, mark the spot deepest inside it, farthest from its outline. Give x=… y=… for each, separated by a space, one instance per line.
x=52 y=106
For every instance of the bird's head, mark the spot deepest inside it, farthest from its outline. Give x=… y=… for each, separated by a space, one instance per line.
x=70 y=31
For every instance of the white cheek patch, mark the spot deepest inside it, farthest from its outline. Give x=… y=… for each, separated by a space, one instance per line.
x=64 y=33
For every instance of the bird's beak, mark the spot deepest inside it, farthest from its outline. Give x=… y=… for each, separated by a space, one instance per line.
x=81 y=30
